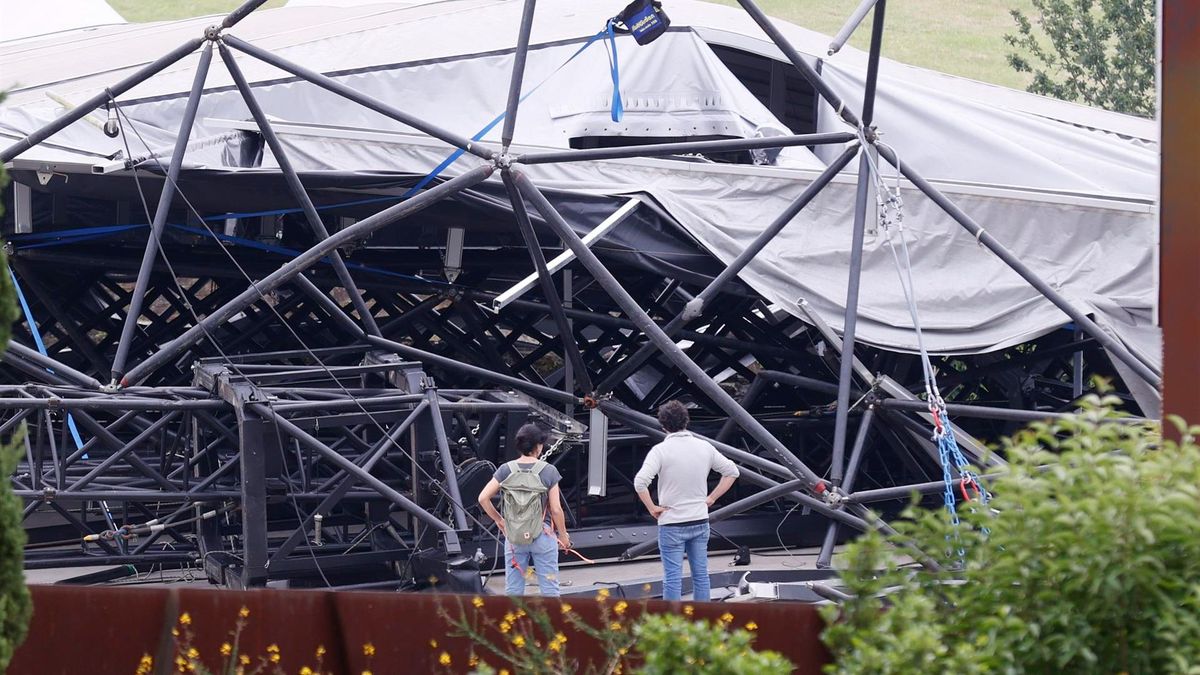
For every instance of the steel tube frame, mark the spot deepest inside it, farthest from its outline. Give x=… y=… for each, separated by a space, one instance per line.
x=850 y=26
x=518 y=75
x=443 y=446
x=825 y=556
x=549 y=291
x=150 y=254
x=329 y=84
x=297 y=189
x=302 y=262
x=56 y=367
x=664 y=342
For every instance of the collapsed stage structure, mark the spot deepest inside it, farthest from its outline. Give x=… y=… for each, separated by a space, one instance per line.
x=281 y=312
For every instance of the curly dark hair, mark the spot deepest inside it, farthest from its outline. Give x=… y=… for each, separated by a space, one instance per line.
x=529 y=437
x=673 y=416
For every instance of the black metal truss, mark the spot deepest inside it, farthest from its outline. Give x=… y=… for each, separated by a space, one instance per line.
x=273 y=417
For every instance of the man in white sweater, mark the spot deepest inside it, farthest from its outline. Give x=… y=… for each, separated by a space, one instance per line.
x=682 y=463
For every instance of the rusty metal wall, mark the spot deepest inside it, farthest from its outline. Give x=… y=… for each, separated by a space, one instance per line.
x=99 y=630
x=1179 y=292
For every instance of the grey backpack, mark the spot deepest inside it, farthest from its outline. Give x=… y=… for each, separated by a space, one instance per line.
x=521 y=495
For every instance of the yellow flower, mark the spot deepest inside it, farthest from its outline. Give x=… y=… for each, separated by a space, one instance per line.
x=273 y=648
x=555 y=647
x=520 y=613
x=275 y=658
x=602 y=594
x=193 y=653
x=620 y=607
x=244 y=660
x=244 y=612
x=145 y=666
x=433 y=644
x=306 y=671
x=687 y=609
x=560 y=637
x=369 y=649
x=175 y=632
x=622 y=651
x=504 y=671
x=185 y=619
x=444 y=659
x=320 y=651
x=366 y=672
x=566 y=608
x=614 y=626
x=510 y=617
x=726 y=617
x=181 y=663
x=519 y=640
x=477 y=601
x=226 y=649
x=473 y=661
x=505 y=626
x=751 y=626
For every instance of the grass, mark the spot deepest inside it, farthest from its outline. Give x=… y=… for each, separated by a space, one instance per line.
x=962 y=37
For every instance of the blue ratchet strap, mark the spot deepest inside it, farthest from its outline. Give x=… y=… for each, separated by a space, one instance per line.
x=618 y=107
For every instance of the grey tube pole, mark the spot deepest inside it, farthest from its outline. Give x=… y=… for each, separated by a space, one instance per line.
x=797 y=60
x=825 y=557
x=302 y=262
x=1111 y=344
x=150 y=254
x=78 y=112
x=518 y=74
x=64 y=371
x=297 y=189
x=241 y=12
x=448 y=471
x=664 y=342
x=667 y=149
x=553 y=302
x=696 y=306
x=850 y=26
x=339 y=317
x=342 y=90
x=846 y=372
x=349 y=467
x=856 y=254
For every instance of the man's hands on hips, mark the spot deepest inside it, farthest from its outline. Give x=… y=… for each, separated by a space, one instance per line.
x=656 y=510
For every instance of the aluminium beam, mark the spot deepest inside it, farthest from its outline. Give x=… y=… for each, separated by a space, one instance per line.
x=686 y=147
x=518 y=74
x=563 y=259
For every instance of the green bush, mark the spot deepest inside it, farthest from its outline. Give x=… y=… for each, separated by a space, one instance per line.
x=1091 y=564
x=671 y=644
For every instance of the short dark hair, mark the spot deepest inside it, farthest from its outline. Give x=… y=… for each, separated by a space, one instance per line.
x=673 y=416
x=529 y=437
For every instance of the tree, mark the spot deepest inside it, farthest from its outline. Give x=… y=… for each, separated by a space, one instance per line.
x=1087 y=561
x=15 y=604
x=1099 y=52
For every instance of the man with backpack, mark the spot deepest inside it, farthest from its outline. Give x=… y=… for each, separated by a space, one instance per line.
x=532 y=511
x=682 y=463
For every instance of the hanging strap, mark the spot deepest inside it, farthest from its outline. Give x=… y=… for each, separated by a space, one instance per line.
x=618 y=108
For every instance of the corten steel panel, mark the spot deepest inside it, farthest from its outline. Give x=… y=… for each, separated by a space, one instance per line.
x=101 y=630
x=1179 y=294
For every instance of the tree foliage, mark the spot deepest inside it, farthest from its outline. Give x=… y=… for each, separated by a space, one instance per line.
x=1099 y=52
x=15 y=605
x=1090 y=563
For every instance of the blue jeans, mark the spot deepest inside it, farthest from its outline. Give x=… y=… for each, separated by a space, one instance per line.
x=543 y=554
x=672 y=542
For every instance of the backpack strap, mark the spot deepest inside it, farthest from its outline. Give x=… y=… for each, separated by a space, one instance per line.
x=538 y=466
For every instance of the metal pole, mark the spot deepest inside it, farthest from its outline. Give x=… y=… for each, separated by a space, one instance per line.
x=241 y=12
x=555 y=305
x=353 y=469
x=342 y=90
x=797 y=60
x=448 y=471
x=851 y=319
x=64 y=371
x=685 y=147
x=297 y=189
x=695 y=307
x=664 y=342
x=339 y=317
x=856 y=254
x=302 y=262
x=864 y=429
x=518 y=74
x=160 y=214
x=850 y=26
x=985 y=238
x=85 y=108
